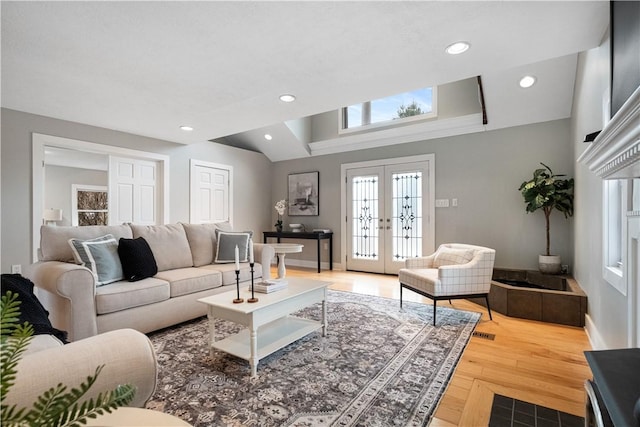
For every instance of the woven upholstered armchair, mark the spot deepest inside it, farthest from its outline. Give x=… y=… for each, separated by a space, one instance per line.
x=454 y=271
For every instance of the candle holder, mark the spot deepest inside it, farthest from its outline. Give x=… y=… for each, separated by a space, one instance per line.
x=253 y=297
x=238 y=300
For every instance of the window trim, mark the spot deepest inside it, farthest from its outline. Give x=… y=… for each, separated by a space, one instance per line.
x=614 y=275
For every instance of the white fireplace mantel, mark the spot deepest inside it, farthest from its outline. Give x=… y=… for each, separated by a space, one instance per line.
x=615 y=153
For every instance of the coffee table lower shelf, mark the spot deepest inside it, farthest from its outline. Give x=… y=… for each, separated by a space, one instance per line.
x=270 y=337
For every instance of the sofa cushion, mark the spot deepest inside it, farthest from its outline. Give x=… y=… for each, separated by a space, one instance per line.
x=100 y=255
x=227 y=242
x=54 y=241
x=122 y=295
x=451 y=256
x=169 y=244
x=228 y=272
x=201 y=239
x=183 y=281
x=137 y=259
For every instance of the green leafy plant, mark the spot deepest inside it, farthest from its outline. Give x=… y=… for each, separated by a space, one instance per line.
x=548 y=191
x=56 y=406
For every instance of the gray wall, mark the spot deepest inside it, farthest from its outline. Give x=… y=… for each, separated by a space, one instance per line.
x=58 y=182
x=252 y=172
x=607 y=320
x=483 y=171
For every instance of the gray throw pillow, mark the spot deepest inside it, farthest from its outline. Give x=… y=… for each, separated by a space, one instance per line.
x=100 y=255
x=227 y=242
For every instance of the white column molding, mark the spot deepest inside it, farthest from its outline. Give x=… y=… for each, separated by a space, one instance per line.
x=615 y=153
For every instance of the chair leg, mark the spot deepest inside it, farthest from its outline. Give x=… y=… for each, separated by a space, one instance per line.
x=486 y=298
x=400 y=295
x=435 y=302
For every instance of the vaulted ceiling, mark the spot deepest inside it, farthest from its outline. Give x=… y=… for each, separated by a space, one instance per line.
x=149 y=67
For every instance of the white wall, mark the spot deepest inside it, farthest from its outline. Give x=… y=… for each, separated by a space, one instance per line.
x=482 y=170
x=607 y=319
x=252 y=172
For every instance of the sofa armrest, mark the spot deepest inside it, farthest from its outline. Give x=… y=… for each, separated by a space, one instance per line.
x=127 y=355
x=263 y=254
x=419 y=262
x=67 y=291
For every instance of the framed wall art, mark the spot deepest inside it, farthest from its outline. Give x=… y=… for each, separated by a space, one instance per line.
x=303 y=194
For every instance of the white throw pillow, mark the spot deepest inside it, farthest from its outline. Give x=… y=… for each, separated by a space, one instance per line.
x=451 y=256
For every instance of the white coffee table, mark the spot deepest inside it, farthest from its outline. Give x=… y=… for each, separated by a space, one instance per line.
x=281 y=249
x=269 y=323
x=128 y=416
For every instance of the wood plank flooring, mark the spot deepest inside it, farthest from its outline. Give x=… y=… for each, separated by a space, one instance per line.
x=537 y=362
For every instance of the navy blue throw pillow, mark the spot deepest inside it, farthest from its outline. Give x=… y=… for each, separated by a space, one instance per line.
x=137 y=259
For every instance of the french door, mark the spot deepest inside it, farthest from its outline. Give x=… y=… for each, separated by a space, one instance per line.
x=388 y=214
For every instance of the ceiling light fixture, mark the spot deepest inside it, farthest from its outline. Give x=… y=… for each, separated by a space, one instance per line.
x=527 y=81
x=457 y=48
x=268 y=137
x=186 y=128
x=287 y=98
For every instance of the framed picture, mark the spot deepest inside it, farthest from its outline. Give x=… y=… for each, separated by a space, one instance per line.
x=303 y=194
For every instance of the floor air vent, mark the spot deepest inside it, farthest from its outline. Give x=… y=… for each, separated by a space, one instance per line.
x=484 y=335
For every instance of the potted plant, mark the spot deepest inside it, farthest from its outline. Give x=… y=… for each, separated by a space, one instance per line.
x=548 y=191
x=280 y=207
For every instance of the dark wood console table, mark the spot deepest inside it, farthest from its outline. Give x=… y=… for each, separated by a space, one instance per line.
x=312 y=236
x=615 y=389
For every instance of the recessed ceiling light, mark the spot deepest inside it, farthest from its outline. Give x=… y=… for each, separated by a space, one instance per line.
x=527 y=81
x=287 y=98
x=457 y=48
x=268 y=137
x=186 y=128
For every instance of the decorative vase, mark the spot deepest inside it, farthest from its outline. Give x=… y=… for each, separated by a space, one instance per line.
x=279 y=228
x=549 y=264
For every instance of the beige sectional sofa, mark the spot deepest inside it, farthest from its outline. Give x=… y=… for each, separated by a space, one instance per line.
x=185 y=255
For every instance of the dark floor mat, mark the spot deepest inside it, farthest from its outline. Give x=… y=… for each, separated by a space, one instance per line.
x=508 y=412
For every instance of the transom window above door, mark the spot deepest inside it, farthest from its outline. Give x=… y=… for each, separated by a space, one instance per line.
x=403 y=107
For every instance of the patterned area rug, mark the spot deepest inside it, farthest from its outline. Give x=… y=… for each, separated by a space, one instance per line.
x=377 y=366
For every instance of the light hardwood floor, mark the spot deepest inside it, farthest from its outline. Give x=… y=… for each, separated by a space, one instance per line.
x=537 y=362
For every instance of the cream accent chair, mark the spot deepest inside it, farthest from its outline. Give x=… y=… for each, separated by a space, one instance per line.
x=127 y=355
x=454 y=271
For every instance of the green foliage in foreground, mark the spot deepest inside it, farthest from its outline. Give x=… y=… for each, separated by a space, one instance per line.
x=56 y=406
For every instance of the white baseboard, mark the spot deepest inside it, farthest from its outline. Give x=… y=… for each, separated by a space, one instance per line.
x=309 y=264
x=597 y=343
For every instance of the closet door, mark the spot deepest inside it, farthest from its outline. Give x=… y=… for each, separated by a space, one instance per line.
x=209 y=194
x=133 y=190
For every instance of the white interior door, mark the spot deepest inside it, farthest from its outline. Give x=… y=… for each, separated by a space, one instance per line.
x=209 y=194
x=388 y=216
x=133 y=190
